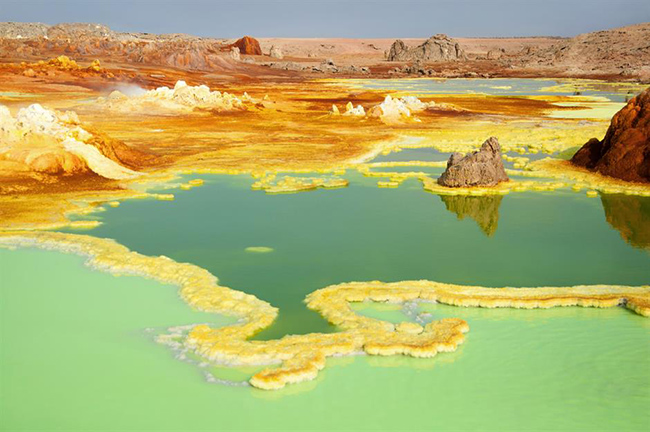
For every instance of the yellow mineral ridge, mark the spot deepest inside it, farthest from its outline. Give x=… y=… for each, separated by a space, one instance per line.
x=259 y=249
x=289 y=184
x=301 y=357
x=565 y=170
x=62 y=62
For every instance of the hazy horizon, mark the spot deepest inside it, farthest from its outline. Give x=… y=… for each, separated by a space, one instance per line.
x=339 y=19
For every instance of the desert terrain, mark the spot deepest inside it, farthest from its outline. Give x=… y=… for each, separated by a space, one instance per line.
x=253 y=105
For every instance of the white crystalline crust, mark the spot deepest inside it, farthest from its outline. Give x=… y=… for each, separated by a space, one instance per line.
x=390 y=111
x=36 y=132
x=181 y=98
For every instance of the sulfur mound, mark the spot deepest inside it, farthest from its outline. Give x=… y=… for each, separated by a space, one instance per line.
x=437 y=48
x=397 y=110
x=481 y=168
x=53 y=142
x=394 y=110
x=624 y=152
x=62 y=63
x=350 y=110
x=181 y=98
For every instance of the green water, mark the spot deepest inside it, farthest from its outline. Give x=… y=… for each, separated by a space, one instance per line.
x=77 y=350
x=498 y=86
x=76 y=356
x=77 y=353
x=366 y=233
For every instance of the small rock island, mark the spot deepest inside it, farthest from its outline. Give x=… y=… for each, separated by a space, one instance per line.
x=480 y=168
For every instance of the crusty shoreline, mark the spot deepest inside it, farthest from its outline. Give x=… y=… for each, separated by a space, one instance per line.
x=301 y=357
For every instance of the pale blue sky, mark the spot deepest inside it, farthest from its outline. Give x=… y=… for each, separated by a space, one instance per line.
x=331 y=18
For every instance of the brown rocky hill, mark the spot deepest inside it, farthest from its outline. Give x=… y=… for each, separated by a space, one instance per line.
x=624 y=152
x=623 y=50
x=610 y=54
x=25 y=41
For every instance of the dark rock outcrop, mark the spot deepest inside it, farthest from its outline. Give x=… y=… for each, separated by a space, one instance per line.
x=248 y=45
x=437 y=48
x=624 y=152
x=480 y=168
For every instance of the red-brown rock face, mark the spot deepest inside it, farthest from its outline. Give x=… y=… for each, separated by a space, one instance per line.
x=248 y=45
x=624 y=153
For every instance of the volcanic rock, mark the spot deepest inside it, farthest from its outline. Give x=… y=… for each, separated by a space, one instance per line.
x=481 y=168
x=437 y=48
x=248 y=45
x=624 y=152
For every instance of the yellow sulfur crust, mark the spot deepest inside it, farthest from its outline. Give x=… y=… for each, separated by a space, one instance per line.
x=561 y=174
x=301 y=357
x=564 y=170
x=289 y=184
